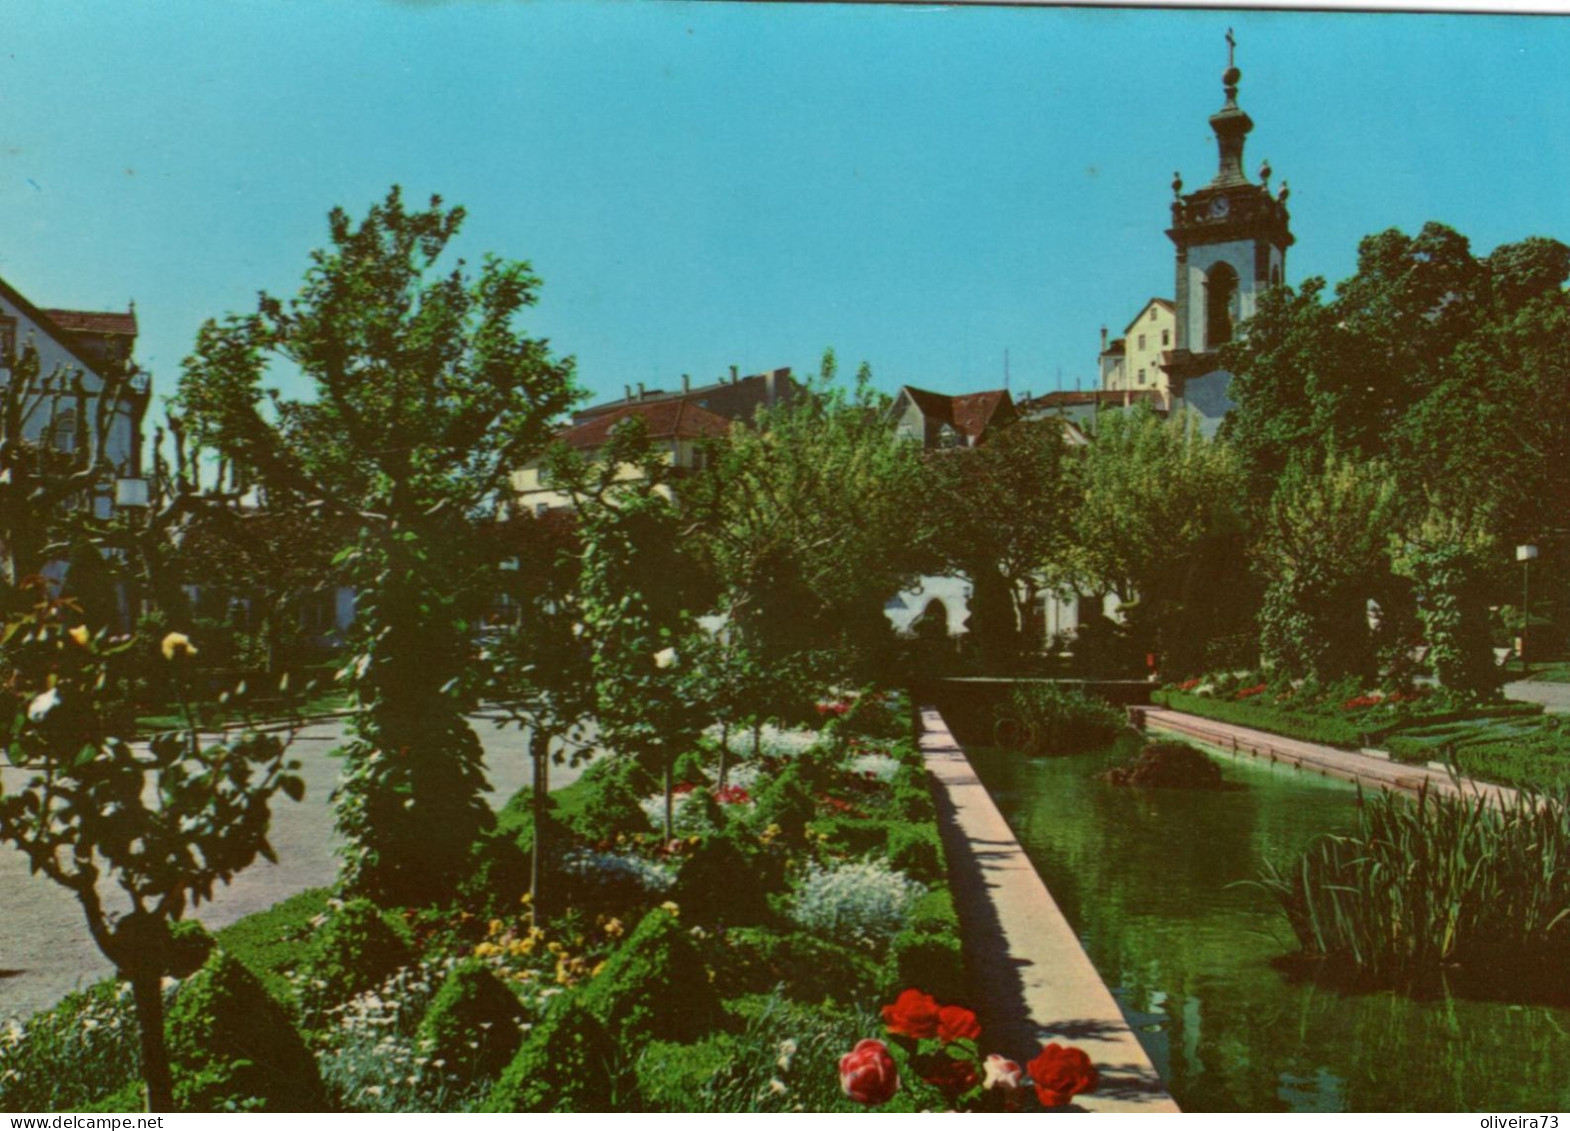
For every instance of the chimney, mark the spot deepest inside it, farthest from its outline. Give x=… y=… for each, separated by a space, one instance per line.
x=641 y=393
x=628 y=389
x=1103 y=339
x=686 y=382
x=734 y=374
x=771 y=387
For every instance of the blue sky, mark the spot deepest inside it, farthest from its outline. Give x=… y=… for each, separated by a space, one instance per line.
x=703 y=185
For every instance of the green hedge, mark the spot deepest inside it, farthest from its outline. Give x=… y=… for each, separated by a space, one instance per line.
x=568 y=1063
x=272 y=943
x=232 y=1047
x=1263 y=716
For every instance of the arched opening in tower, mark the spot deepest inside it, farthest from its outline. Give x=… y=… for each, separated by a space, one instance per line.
x=1220 y=305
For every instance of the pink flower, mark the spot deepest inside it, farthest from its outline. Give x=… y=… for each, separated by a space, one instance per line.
x=868 y=1075
x=1002 y=1072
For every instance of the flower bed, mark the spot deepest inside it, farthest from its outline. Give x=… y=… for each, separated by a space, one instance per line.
x=1507 y=742
x=734 y=967
x=1260 y=714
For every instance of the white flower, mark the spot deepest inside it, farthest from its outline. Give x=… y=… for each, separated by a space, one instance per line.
x=41 y=705
x=1001 y=1073
x=665 y=658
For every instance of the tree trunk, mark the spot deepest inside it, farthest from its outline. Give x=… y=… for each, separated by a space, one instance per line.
x=138 y=943
x=665 y=769
x=539 y=753
x=724 y=751
x=147 y=989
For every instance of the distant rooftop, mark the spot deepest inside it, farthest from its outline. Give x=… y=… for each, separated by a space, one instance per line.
x=738 y=398
x=670 y=419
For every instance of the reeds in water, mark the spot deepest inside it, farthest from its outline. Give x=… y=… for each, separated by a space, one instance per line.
x=1044 y=718
x=1434 y=884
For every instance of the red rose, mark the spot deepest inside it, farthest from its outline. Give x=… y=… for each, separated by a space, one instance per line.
x=957 y=1024
x=913 y=1014
x=868 y=1075
x=1060 y=1074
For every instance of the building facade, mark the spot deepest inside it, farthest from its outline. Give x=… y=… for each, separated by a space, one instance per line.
x=1230 y=238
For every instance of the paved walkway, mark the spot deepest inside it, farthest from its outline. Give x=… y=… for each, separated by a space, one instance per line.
x=1555 y=697
x=1032 y=980
x=1370 y=768
x=45 y=951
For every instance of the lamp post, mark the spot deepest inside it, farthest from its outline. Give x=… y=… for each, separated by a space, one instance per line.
x=1524 y=554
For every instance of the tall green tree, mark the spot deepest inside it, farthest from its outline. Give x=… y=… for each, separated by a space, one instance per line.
x=639 y=593
x=539 y=663
x=807 y=521
x=423 y=395
x=1324 y=552
x=1002 y=516
x=1162 y=525
x=1452 y=368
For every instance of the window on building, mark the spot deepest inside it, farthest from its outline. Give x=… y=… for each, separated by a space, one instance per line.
x=1166 y=337
x=1221 y=299
x=1152 y=314
x=7 y=340
x=1275 y=275
x=1142 y=341
x=62 y=431
x=1141 y=376
x=948 y=437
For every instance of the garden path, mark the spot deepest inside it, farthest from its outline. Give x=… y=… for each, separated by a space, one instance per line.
x=1555 y=697
x=45 y=951
x=1032 y=979
x=1368 y=768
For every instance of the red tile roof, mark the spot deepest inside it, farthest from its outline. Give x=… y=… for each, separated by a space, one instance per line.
x=94 y=321
x=1098 y=397
x=664 y=420
x=974 y=411
x=735 y=400
x=968 y=413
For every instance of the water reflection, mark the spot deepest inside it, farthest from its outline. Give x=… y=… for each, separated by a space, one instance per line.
x=1149 y=879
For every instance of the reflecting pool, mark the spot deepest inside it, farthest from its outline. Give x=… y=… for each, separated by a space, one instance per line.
x=1148 y=879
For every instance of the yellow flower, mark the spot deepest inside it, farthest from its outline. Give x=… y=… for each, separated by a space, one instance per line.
x=670 y=905
x=178 y=644
x=80 y=635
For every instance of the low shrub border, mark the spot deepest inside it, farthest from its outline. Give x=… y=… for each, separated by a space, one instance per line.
x=1262 y=716
x=836 y=828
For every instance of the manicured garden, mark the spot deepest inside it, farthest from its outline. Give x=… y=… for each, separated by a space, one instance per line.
x=739 y=965
x=1492 y=739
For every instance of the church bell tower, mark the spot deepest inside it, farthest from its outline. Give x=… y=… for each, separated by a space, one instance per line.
x=1232 y=237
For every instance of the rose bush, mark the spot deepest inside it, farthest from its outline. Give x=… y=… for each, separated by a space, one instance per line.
x=914 y=1014
x=1060 y=1073
x=867 y=1073
x=942 y=1042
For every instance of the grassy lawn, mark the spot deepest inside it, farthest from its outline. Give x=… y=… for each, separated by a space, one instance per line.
x=1512 y=744
x=1556 y=672
x=213 y=715
x=272 y=942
